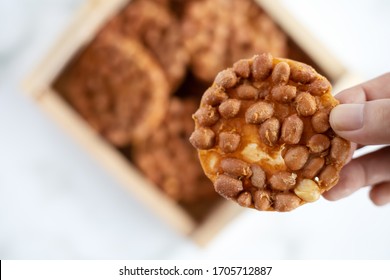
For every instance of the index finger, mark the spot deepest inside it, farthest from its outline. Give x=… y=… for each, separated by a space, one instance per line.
x=377 y=88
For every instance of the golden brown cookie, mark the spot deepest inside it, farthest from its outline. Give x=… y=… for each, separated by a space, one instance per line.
x=263 y=134
x=153 y=25
x=169 y=160
x=118 y=87
x=219 y=32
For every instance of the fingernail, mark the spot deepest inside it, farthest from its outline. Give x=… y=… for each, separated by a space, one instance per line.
x=347 y=117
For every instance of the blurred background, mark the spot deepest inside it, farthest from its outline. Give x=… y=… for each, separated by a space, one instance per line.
x=56 y=202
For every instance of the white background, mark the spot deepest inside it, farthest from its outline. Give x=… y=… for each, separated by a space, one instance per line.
x=57 y=203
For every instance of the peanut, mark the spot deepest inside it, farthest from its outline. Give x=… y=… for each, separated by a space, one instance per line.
x=312 y=167
x=236 y=167
x=319 y=87
x=283 y=180
x=226 y=78
x=202 y=138
x=284 y=93
x=292 y=129
x=227 y=186
x=229 y=108
x=261 y=66
x=229 y=141
x=318 y=143
x=259 y=112
x=245 y=199
x=302 y=73
x=262 y=200
x=320 y=122
x=296 y=157
x=329 y=177
x=206 y=116
x=286 y=202
x=258 y=176
x=242 y=68
x=306 y=104
x=246 y=91
x=214 y=95
x=339 y=150
x=269 y=131
x=307 y=190
x=281 y=73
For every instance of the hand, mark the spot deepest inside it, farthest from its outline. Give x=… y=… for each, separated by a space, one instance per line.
x=364 y=118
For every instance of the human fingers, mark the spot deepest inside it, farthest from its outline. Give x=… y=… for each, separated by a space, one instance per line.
x=380 y=193
x=366 y=123
x=377 y=88
x=370 y=169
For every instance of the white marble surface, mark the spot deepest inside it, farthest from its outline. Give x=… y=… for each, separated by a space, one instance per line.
x=57 y=203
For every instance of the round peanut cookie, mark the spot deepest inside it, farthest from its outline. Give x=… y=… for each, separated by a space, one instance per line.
x=263 y=135
x=116 y=85
x=157 y=29
x=219 y=32
x=168 y=159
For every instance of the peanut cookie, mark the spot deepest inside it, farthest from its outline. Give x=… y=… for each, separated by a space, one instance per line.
x=154 y=26
x=219 y=32
x=117 y=87
x=169 y=160
x=263 y=134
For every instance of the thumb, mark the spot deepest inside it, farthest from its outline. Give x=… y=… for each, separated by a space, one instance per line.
x=366 y=123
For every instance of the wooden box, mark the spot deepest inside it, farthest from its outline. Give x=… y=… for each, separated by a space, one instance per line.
x=81 y=31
